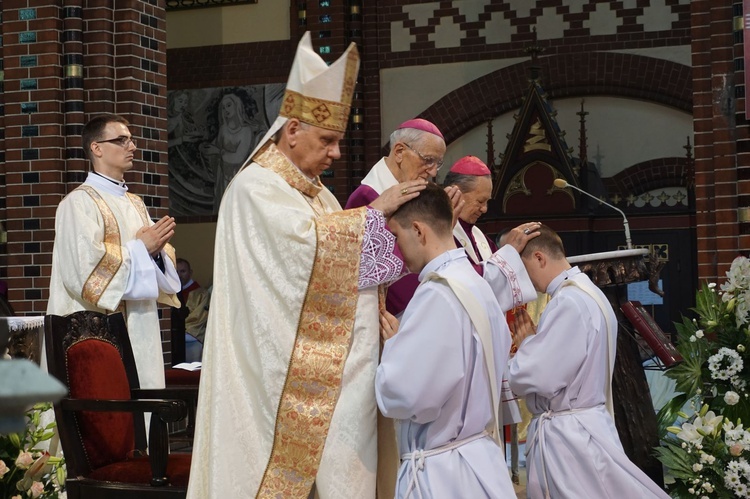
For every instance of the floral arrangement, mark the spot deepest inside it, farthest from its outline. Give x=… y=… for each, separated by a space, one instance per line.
x=703 y=442
x=26 y=471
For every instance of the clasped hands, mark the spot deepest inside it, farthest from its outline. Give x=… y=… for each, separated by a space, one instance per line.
x=522 y=327
x=156 y=236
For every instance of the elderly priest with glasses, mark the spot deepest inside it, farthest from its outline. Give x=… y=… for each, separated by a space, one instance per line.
x=108 y=254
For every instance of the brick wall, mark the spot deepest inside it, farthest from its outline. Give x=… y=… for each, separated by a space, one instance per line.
x=64 y=63
x=720 y=126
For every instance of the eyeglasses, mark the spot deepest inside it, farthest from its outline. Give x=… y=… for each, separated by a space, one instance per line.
x=122 y=141
x=428 y=161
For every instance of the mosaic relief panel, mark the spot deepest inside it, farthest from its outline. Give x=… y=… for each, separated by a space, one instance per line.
x=506 y=21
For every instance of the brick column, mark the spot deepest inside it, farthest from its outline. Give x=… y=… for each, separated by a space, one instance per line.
x=715 y=137
x=375 y=38
x=55 y=80
x=3 y=219
x=34 y=146
x=743 y=134
x=333 y=25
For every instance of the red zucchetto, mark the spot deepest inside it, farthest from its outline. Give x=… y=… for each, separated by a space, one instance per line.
x=470 y=165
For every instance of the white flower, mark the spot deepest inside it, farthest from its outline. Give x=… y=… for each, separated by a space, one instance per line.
x=740 y=347
x=3 y=468
x=731 y=398
x=707 y=424
x=693 y=339
x=24 y=460
x=725 y=357
x=699 y=333
x=708 y=487
x=711 y=285
x=36 y=489
x=697 y=467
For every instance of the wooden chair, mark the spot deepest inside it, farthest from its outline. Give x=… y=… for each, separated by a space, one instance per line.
x=188 y=382
x=101 y=424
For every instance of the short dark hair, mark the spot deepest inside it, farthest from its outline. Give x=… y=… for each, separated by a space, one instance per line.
x=432 y=207
x=548 y=242
x=182 y=260
x=94 y=129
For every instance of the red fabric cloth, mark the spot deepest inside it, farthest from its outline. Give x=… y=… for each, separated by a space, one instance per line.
x=96 y=371
x=186 y=292
x=138 y=470
x=181 y=377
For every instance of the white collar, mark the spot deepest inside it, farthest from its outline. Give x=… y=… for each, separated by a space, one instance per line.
x=106 y=184
x=380 y=177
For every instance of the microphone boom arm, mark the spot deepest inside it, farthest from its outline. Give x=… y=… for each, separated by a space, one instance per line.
x=628 y=242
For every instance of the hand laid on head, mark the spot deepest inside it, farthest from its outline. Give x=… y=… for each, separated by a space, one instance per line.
x=522 y=327
x=457 y=201
x=519 y=236
x=158 y=235
x=393 y=197
x=388 y=325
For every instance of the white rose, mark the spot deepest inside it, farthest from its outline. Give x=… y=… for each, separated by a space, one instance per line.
x=36 y=489
x=693 y=339
x=731 y=398
x=24 y=460
x=697 y=467
x=699 y=333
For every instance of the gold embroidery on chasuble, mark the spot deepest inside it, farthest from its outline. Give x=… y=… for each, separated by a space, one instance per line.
x=322 y=341
x=110 y=263
x=139 y=205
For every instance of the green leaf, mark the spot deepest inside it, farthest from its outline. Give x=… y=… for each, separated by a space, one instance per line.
x=668 y=414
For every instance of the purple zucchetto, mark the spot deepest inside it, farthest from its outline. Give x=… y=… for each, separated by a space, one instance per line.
x=420 y=124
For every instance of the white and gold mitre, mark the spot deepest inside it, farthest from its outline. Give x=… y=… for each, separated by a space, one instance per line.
x=316 y=93
x=319 y=94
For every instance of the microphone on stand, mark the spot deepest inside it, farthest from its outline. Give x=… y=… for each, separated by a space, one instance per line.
x=561 y=183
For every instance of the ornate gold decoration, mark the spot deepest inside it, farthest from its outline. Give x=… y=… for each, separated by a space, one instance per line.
x=538 y=139
x=317 y=112
x=140 y=206
x=270 y=157
x=321 y=346
x=74 y=71
x=110 y=263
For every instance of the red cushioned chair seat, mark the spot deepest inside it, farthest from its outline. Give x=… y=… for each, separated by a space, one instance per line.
x=107 y=436
x=181 y=377
x=138 y=470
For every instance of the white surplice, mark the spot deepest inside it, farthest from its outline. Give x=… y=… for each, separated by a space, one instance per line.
x=264 y=256
x=88 y=274
x=432 y=378
x=511 y=413
x=573 y=450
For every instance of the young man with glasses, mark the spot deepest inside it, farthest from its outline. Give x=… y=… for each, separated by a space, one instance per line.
x=108 y=254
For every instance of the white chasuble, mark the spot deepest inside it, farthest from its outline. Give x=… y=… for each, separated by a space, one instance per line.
x=287 y=390
x=98 y=265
